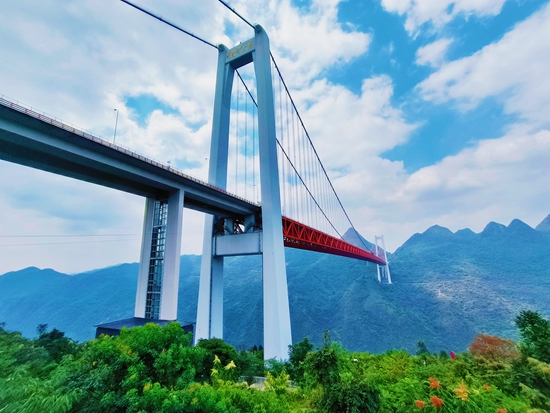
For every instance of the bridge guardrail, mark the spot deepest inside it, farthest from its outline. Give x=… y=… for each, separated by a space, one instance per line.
x=68 y=127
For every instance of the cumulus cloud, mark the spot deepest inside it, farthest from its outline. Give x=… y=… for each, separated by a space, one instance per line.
x=439 y=12
x=513 y=69
x=433 y=54
x=79 y=61
x=306 y=43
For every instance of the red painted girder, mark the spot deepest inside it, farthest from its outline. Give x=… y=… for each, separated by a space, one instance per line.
x=297 y=235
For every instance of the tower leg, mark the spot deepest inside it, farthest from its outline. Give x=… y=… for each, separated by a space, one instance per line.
x=170 y=282
x=145 y=256
x=210 y=303
x=277 y=333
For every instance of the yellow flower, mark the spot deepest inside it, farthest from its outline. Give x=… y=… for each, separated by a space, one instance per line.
x=216 y=359
x=147 y=387
x=462 y=392
x=231 y=365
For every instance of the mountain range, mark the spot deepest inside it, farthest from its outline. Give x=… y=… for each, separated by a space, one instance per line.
x=447 y=287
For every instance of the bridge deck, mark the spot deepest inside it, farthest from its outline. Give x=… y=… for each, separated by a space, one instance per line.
x=297 y=235
x=33 y=139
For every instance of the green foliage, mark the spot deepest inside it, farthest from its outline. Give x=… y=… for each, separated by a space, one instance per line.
x=323 y=366
x=216 y=347
x=297 y=354
x=279 y=383
x=330 y=367
x=154 y=369
x=422 y=349
x=351 y=397
x=250 y=363
x=55 y=343
x=534 y=331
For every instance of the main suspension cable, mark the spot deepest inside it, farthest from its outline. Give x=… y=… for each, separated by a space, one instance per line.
x=237 y=14
x=169 y=23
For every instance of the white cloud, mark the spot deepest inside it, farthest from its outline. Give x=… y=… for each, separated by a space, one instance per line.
x=81 y=60
x=433 y=54
x=513 y=69
x=305 y=44
x=440 y=12
x=78 y=61
x=497 y=175
x=497 y=180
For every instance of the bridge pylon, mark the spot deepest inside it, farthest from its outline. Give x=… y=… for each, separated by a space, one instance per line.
x=383 y=271
x=246 y=235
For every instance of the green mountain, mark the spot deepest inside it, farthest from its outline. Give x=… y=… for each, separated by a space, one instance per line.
x=447 y=287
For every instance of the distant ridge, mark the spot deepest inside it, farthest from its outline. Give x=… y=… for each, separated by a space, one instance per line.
x=354 y=238
x=447 y=287
x=544 y=225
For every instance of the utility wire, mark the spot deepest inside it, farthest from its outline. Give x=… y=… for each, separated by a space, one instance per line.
x=68 y=242
x=169 y=23
x=68 y=236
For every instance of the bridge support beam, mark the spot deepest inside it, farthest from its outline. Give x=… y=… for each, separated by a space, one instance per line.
x=158 y=282
x=277 y=332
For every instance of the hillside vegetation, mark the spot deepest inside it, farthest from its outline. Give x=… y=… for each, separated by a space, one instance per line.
x=155 y=369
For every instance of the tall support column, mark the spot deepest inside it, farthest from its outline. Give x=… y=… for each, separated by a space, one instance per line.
x=158 y=281
x=277 y=333
x=210 y=302
x=145 y=256
x=171 y=276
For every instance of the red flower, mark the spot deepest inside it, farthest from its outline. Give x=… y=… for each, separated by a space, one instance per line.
x=499 y=410
x=437 y=402
x=487 y=387
x=434 y=384
x=420 y=404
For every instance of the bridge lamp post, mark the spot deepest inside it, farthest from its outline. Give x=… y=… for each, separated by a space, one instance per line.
x=116 y=123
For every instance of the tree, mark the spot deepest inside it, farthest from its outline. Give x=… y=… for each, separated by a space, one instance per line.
x=41 y=329
x=55 y=343
x=217 y=347
x=422 y=349
x=323 y=365
x=493 y=348
x=297 y=354
x=534 y=331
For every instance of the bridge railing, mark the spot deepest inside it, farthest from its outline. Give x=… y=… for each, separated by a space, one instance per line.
x=18 y=106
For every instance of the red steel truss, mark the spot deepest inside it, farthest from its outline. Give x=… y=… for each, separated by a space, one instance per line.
x=301 y=236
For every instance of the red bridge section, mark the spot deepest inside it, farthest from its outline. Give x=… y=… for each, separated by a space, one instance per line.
x=297 y=235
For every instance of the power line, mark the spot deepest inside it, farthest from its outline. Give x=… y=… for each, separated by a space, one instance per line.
x=65 y=243
x=69 y=236
x=169 y=23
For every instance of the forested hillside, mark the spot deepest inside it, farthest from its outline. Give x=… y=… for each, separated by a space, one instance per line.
x=447 y=287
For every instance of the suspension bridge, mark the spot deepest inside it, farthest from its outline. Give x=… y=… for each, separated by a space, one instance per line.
x=266 y=189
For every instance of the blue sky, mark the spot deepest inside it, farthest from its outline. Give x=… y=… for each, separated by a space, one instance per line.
x=424 y=112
